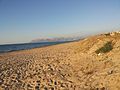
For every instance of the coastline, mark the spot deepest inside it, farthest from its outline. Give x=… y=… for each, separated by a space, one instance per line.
x=57 y=43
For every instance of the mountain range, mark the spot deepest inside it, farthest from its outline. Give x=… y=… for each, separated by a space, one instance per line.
x=56 y=39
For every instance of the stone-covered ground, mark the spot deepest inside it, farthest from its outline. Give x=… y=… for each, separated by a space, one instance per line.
x=69 y=66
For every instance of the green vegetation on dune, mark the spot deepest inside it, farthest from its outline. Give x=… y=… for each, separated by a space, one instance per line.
x=106 y=48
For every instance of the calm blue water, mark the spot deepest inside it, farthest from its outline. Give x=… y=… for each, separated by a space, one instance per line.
x=15 y=47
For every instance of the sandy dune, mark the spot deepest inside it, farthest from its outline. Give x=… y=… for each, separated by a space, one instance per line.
x=69 y=66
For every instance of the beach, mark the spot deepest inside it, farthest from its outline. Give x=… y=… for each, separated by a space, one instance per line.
x=68 y=66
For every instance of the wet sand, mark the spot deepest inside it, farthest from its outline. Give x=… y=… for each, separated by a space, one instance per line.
x=68 y=66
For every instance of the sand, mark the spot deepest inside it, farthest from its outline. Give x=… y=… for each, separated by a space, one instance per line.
x=68 y=66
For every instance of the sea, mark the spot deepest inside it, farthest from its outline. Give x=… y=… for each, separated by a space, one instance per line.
x=25 y=46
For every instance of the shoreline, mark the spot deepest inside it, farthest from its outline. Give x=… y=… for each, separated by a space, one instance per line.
x=36 y=47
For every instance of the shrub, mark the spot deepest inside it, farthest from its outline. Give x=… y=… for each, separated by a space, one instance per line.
x=106 y=48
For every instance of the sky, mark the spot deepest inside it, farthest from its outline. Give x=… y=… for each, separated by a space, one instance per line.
x=24 y=20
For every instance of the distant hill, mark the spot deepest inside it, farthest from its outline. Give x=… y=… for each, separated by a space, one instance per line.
x=57 y=39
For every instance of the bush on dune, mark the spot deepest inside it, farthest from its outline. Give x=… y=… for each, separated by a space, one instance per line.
x=106 y=48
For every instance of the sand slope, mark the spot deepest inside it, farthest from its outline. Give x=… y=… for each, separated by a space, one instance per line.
x=69 y=66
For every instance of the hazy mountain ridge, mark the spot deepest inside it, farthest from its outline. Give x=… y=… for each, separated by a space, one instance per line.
x=57 y=39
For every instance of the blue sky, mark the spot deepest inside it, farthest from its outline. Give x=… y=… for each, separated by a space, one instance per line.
x=24 y=20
